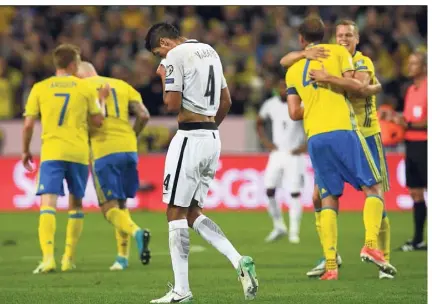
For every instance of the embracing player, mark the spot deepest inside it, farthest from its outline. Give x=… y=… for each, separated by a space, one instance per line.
x=115 y=160
x=363 y=100
x=286 y=162
x=65 y=103
x=338 y=151
x=194 y=86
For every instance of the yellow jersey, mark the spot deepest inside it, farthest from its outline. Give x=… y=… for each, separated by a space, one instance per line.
x=365 y=108
x=116 y=134
x=64 y=104
x=326 y=109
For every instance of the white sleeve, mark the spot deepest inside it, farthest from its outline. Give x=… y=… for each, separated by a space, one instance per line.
x=173 y=73
x=224 y=83
x=163 y=62
x=264 y=112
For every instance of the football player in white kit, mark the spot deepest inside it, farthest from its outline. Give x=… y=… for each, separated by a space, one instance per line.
x=286 y=162
x=195 y=87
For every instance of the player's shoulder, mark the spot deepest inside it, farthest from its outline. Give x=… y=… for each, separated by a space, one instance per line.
x=360 y=60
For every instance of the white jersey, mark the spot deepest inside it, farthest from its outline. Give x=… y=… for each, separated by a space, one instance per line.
x=287 y=134
x=195 y=69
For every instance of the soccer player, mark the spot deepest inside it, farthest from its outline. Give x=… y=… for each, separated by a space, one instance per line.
x=414 y=121
x=285 y=162
x=115 y=159
x=194 y=86
x=364 y=105
x=64 y=103
x=338 y=151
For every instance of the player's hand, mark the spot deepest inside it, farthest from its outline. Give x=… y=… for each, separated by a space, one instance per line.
x=297 y=151
x=27 y=160
x=104 y=92
x=399 y=120
x=270 y=146
x=319 y=75
x=317 y=53
x=161 y=71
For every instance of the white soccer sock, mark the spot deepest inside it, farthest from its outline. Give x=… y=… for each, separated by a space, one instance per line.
x=211 y=232
x=295 y=214
x=179 y=250
x=275 y=212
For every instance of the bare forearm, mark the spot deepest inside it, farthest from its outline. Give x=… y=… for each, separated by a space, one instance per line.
x=262 y=136
x=27 y=137
x=142 y=116
x=222 y=112
x=348 y=84
x=291 y=58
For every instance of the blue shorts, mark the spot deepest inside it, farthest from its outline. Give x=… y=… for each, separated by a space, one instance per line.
x=53 y=172
x=116 y=176
x=341 y=156
x=375 y=145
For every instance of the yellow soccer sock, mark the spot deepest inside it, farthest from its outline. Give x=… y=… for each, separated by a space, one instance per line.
x=329 y=236
x=384 y=237
x=47 y=227
x=123 y=240
x=73 y=232
x=121 y=221
x=318 y=224
x=372 y=216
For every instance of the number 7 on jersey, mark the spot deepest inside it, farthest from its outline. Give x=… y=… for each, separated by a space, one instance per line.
x=65 y=104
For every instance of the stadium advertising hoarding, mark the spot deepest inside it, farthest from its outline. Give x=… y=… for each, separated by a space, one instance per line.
x=238 y=185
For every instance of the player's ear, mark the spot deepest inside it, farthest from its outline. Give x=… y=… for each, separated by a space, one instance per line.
x=163 y=42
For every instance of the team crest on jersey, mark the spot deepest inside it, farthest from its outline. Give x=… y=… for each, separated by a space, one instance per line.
x=169 y=70
x=359 y=63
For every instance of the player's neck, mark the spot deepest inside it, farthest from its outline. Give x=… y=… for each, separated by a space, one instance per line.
x=62 y=72
x=419 y=79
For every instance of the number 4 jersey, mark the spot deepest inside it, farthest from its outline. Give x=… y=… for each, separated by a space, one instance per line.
x=325 y=108
x=116 y=134
x=195 y=69
x=64 y=104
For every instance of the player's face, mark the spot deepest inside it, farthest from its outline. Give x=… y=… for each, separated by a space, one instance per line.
x=347 y=36
x=165 y=46
x=415 y=66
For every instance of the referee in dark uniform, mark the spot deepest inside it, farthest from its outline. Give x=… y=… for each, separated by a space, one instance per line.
x=414 y=120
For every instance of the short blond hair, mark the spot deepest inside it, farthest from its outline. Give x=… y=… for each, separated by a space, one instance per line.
x=65 y=54
x=348 y=22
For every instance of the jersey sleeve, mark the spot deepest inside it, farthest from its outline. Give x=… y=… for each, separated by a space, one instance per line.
x=32 y=107
x=224 y=83
x=133 y=95
x=174 y=73
x=289 y=80
x=345 y=60
x=264 y=112
x=365 y=65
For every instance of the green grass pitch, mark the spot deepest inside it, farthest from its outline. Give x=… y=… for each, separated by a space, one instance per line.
x=281 y=266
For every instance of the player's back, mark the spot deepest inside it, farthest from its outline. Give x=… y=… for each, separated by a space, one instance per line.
x=365 y=108
x=116 y=134
x=325 y=108
x=203 y=78
x=63 y=103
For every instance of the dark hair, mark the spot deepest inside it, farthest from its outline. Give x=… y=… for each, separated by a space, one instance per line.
x=158 y=31
x=65 y=54
x=312 y=29
x=348 y=22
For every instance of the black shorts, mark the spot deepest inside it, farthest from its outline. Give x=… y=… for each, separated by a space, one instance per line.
x=416 y=164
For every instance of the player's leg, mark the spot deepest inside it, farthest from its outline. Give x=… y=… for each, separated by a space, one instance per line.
x=108 y=176
x=272 y=179
x=50 y=186
x=181 y=178
x=123 y=244
x=76 y=177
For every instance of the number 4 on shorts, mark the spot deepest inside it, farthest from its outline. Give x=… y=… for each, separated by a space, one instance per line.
x=166 y=182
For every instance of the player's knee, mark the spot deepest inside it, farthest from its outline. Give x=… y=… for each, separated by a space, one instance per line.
x=122 y=204
x=295 y=195
x=316 y=199
x=373 y=190
x=108 y=205
x=48 y=200
x=74 y=203
x=175 y=213
x=416 y=194
x=192 y=215
x=271 y=192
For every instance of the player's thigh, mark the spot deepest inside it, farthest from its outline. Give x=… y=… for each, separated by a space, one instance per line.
x=76 y=178
x=130 y=177
x=325 y=163
x=181 y=173
x=50 y=177
x=107 y=176
x=274 y=170
x=376 y=149
x=294 y=172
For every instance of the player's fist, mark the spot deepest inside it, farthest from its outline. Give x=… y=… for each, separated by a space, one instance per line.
x=161 y=71
x=27 y=160
x=104 y=92
x=317 y=53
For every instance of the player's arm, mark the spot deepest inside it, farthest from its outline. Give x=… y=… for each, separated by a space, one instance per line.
x=32 y=112
x=347 y=82
x=295 y=109
x=173 y=82
x=300 y=149
x=262 y=115
x=315 y=53
x=136 y=106
x=96 y=104
x=225 y=103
